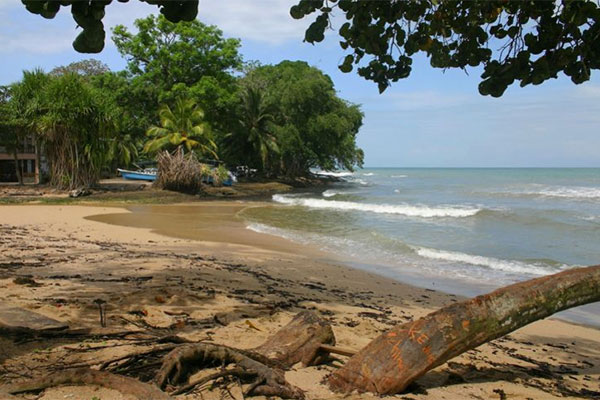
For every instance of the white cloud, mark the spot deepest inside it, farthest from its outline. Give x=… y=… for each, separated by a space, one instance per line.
x=23 y=32
x=41 y=41
x=267 y=21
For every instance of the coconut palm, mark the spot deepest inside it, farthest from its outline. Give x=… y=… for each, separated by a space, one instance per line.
x=124 y=149
x=255 y=134
x=182 y=127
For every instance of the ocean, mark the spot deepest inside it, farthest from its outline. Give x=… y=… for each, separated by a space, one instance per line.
x=462 y=231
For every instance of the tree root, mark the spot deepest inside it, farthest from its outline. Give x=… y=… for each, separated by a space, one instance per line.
x=301 y=340
x=85 y=376
x=175 y=368
x=238 y=372
x=307 y=339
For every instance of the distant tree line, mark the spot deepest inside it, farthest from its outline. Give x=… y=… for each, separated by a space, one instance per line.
x=185 y=86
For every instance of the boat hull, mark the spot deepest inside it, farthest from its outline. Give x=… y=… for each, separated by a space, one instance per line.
x=137 y=176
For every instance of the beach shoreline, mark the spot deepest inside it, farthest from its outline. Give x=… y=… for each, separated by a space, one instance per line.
x=77 y=253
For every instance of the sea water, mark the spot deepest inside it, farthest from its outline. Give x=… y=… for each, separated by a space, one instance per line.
x=464 y=231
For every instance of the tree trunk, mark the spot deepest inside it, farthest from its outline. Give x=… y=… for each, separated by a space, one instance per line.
x=299 y=341
x=38 y=169
x=393 y=360
x=17 y=167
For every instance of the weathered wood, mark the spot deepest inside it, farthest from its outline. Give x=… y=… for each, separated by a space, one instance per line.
x=176 y=366
x=299 y=341
x=20 y=320
x=393 y=360
x=337 y=350
x=85 y=376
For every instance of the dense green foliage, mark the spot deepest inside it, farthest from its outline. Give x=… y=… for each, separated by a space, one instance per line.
x=167 y=61
x=513 y=40
x=185 y=88
x=535 y=39
x=75 y=122
x=181 y=127
x=89 y=67
x=253 y=141
x=11 y=132
x=18 y=108
x=301 y=123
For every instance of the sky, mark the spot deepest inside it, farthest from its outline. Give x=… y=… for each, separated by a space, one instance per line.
x=434 y=118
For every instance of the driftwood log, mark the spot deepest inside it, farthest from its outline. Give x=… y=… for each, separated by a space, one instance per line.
x=395 y=359
x=299 y=341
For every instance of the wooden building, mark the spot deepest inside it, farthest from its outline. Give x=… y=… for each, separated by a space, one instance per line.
x=27 y=162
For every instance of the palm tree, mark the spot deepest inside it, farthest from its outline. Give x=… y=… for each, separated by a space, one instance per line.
x=20 y=103
x=255 y=136
x=74 y=121
x=182 y=127
x=123 y=149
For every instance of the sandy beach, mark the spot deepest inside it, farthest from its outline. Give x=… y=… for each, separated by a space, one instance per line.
x=195 y=271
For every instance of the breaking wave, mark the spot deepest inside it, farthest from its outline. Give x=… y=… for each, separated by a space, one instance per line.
x=516 y=267
x=561 y=192
x=338 y=174
x=407 y=210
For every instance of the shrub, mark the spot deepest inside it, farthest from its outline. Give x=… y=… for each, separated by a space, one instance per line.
x=179 y=172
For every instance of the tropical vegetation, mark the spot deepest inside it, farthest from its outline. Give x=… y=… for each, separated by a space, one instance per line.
x=186 y=96
x=183 y=128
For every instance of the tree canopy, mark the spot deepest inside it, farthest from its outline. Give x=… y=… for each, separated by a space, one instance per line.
x=167 y=61
x=181 y=127
x=311 y=126
x=524 y=41
x=181 y=79
x=513 y=40
x=89 y=67
x=167 y=53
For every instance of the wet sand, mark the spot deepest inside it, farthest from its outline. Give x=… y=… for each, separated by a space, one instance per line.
x=174 y=269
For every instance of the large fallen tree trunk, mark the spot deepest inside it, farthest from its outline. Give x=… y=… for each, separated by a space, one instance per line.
x=399 y=356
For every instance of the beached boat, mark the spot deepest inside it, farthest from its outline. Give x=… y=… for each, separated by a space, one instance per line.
x=141 y=175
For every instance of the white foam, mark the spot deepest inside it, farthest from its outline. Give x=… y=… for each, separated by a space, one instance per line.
x=564 y=192
x=489 y=262
x=271 y=230
x=368 y=174
x=572 y=192
x=358 y=180
x=338 y=174
x=407 y=210
x=399 y=176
